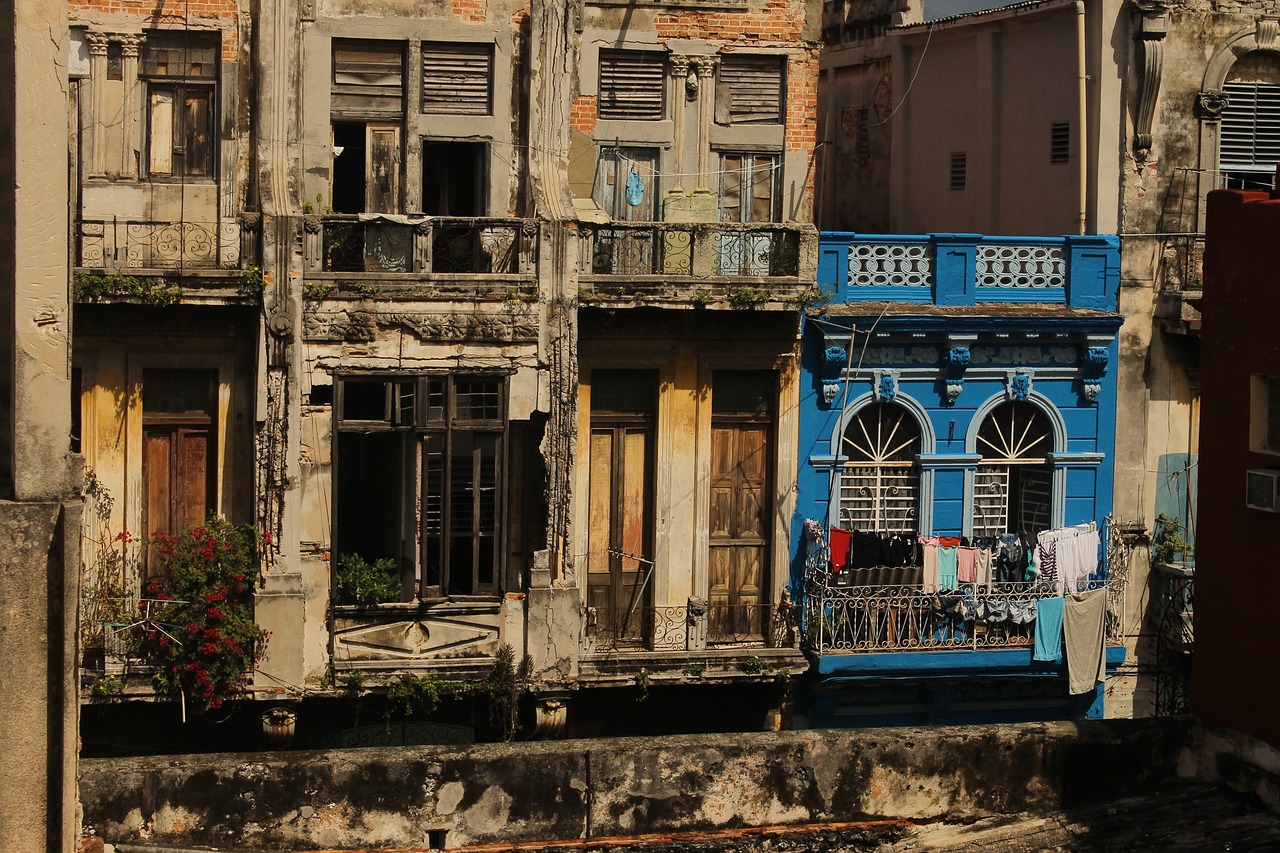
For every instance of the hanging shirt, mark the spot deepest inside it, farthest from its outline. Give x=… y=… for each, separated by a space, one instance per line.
x=929 y=560
x=967 y=565
x=635 y=189
x=947 y=567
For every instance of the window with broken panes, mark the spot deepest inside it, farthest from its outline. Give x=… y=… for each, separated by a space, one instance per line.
x=180 y=70
x=434 y=494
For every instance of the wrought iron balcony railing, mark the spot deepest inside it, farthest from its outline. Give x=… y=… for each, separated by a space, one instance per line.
x=690 y=627
x=123 y=244
x=848 y=620
x=690 y=249
x=400 y=244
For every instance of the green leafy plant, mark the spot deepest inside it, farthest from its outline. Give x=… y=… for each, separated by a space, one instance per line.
x=365 y=583
x=505 y=684
x=748 y=297
x=700 y=297
x=416 y=695
x=694 y=671
x=642 y=685
x=1170 y=544
x=201 y=635
x=364 y=288
x=253 y=281
x=753 y=665
x=108 y=686
x=317 y=289
x=813 y=297
x=151 y=290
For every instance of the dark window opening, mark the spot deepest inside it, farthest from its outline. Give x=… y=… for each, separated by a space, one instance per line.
x=454 y=178
x=421 y=465
x=77 y=390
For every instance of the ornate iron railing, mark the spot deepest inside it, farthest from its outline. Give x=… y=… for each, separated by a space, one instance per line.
x=889 y=617
x=690 y=249
x=846 y=620
x=120 y=244
x=1175 y=640
x=694 y=626
x=1182 y=262
x=398 y=244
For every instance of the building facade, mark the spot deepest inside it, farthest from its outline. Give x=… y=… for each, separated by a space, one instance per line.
x=1090 y=117
x=497 y=297
x=955 y=386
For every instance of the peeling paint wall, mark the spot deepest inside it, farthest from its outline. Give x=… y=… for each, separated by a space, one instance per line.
x=599 y=789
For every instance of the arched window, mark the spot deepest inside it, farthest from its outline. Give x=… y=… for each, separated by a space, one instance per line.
x=1250 y=142
x=880 y=482
x=1013 y=485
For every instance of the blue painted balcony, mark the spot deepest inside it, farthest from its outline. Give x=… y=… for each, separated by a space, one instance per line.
x=970 y=269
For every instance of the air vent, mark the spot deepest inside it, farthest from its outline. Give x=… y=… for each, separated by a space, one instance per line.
x=1060 y=142
x=959 y=170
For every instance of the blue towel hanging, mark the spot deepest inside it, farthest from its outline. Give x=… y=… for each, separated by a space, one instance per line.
x=635 y=188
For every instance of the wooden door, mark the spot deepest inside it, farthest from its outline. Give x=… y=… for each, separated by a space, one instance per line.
x=620 y=527
x=178 y=450
x=741 y=505
x=382 y=176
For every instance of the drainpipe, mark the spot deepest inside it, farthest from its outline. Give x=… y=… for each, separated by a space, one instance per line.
x=1082 y=119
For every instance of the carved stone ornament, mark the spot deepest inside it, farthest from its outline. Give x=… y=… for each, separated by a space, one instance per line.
x=1153 y=26
x=834 y=359
x=1210 y=104
x=1018 y=385
x=886 y=386
x=957 y=360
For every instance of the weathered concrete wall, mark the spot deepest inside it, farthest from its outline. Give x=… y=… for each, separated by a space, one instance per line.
x=597 y=789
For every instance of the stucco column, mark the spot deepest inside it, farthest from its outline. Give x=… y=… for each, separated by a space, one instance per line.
x=130 y=150
x=98 y=92
x=679 y=70
x=706 y=66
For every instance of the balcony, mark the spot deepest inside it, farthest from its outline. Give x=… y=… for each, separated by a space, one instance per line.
x=969 y=269
x=391 y=249
x=702 y=262
x=144 y=246
x=885 y=618
x=1181 y=283
x=695 y=626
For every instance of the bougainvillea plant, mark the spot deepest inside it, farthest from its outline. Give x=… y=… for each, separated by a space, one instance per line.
x=201 y=636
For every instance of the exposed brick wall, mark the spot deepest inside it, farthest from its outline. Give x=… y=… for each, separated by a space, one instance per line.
x=582 y=116
x=471 y=11
x=197 y=14
x=780 y=20
x=802 y=101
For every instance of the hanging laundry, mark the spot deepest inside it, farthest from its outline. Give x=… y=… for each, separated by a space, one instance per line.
x=1048 y=641
x=947 y=566
x=1084 y=630
x=840 y=541
x=929 y=560
x=967 y=565
x=635 y=188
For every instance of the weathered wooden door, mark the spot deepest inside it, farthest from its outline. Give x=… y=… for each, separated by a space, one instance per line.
x=178 y=450
x=382 y=176
x=741 y=504
x=620 y=527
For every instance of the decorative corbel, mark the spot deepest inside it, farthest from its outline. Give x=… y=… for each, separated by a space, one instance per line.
x=886 y=385
x=1210 y=104
x=1093 y=368
x=1153 y=26
x=1017 y=384
x=834 y=359
x=956 y=361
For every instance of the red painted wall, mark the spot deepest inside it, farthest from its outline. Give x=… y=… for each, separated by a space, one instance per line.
x=1235 y=680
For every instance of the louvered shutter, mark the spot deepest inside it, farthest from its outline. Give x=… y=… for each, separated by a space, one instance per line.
x=1250 y=126
x=368 y=79
x=750 y=90
x=632 y=83
x=457 y=78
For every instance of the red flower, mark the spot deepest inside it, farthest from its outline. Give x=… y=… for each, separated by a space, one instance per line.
x=211 y=633
x=214 y=613
x=209 y=649
x=193 y=628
